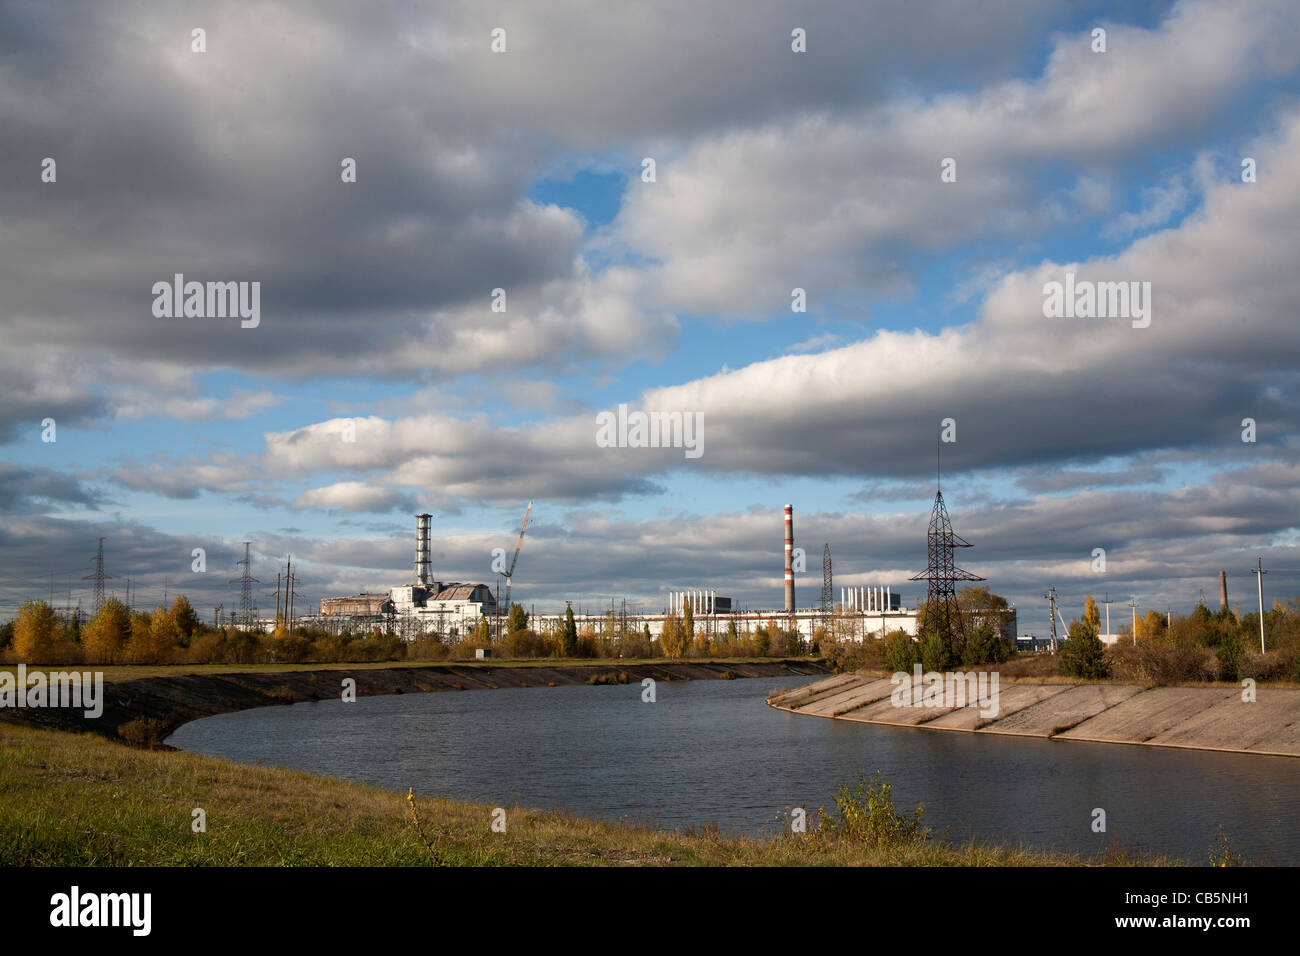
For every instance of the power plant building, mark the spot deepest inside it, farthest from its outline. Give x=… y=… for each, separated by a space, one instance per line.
x=453 y=610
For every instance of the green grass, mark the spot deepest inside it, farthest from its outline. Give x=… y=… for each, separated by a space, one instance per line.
x=82 y=800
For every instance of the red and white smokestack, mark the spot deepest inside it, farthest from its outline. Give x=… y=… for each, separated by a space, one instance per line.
x=789 y=559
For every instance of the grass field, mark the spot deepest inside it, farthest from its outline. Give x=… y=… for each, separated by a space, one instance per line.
x=82 y=800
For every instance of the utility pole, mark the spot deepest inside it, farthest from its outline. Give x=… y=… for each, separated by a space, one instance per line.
x=1132 y=602
x=288 y=593
x=277 y=595
x=1259 y=573
x=1107 y=602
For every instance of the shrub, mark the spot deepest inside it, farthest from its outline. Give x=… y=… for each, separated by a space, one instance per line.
x=935 y=653
x=288 y=648
x=1083 y=654
x=1231 y=656
x=901 y=652
x=143 y=732
x=281 y=695
x=864 y=813
x=1160 y=663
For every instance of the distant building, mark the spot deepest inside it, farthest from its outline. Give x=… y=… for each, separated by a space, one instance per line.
x=1033 y=645
x=366 y=604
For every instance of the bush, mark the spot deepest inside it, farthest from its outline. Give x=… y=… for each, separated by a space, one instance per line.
x=288 y=648
x=935 y=653
x=983 y=646
x=1161 y=664
x=1231 y=656
x=143 y=732
x=864 y=813
x=1083 y=654
x=901 y=652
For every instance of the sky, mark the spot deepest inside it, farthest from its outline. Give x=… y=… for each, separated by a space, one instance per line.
x=922 y=172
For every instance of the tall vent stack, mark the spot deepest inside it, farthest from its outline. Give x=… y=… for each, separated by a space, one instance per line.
x=422 y=576
x=1223 y=590
x=789 y=559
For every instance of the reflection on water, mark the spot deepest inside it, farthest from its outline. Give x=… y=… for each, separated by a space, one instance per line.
x=713 y=752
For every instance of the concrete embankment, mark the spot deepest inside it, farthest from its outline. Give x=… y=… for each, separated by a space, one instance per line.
x=1201 y=718
x=174 y=700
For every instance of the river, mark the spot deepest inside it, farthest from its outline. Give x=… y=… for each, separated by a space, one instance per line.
x=712 y=751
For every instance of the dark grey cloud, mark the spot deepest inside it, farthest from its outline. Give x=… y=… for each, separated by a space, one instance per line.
x=28 y=490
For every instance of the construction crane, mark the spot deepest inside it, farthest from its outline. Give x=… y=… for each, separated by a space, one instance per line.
x=511 y=572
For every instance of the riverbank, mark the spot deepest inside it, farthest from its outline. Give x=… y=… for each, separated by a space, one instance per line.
x=161 y=699
x=1197 y=718
x=80 y=800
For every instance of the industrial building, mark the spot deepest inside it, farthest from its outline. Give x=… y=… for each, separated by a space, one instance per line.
x=453 y=610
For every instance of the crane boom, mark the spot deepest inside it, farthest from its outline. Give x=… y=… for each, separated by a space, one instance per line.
x=513 y=561
x=520 y=543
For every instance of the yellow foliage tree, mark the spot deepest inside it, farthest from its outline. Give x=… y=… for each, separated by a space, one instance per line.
x=34 y=633
x=1091 y=616
x=1151 y=626
x=673 y=637
x=184 y=617
x=107 y=633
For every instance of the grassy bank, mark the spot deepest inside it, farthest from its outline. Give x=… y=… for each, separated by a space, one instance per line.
x=145 y=703
x=83 y=800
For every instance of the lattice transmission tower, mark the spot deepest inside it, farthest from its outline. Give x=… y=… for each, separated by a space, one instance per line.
x=98 y=576
x=247 y=609
x=828 y=601
x=942 y=574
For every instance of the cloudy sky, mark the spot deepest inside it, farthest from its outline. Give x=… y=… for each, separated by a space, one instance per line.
x=774 y=170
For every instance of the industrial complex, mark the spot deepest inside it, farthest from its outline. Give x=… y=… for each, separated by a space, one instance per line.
x=454 y=609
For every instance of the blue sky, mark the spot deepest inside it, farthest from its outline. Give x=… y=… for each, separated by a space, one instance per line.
x=774 y=170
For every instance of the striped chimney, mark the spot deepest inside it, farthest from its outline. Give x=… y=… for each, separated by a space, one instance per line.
x=789 y=559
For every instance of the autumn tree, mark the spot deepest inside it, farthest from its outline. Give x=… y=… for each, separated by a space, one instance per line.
x=517 y=619
x=34 y=633
x=1151 y=626
x=1091 y=616
x=672 y=639
x=107 y=633
x=184 y=618
x=569 y=634
x=139 y=644
x=1082 y=653
x=688 y=622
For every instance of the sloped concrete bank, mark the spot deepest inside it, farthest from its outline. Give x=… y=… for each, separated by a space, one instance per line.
x=1199 y=718
x=176 y=700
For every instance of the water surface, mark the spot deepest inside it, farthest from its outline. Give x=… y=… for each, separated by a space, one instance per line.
x=712 y=751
